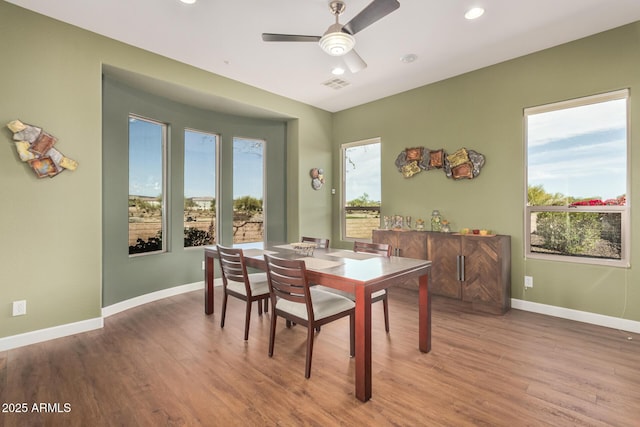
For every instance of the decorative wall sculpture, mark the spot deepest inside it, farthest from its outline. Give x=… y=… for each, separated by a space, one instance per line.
x=461 y=164
x=317 y=178
x=35 y=146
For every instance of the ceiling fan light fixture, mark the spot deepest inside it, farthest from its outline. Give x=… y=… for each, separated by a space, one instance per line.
x=337 y=43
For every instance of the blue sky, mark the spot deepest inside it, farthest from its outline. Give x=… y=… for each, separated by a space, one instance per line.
x=579 y=152
x=200 y=164
x=248 y=168
x=145 y=163
x=363 y=172
x=145 y=158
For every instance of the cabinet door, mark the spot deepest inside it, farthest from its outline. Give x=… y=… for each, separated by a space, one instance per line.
x=485 y=284
x=444 y=251
x=412 y=244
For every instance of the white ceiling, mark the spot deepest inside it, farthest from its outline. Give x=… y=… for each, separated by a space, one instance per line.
x=224 y=37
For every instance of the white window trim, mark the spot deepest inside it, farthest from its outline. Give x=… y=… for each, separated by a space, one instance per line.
x=264 y=181
x=166 y=236
x=217 y=188
x=343 y=216
x=625 y=231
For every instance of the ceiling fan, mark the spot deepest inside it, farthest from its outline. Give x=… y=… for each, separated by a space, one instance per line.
x=338 y=40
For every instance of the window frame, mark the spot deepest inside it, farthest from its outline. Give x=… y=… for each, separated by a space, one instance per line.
x=217 y=143
x=164 y=223
x=624 y=210
x=343 y=201
x=264 y=183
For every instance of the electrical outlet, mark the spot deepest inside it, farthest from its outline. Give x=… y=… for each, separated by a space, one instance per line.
x=528 y=282
x=19 y=308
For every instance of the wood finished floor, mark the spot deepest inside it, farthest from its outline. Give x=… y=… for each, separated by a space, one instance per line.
x=168 y=364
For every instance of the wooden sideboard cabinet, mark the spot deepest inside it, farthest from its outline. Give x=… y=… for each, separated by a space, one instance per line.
x=474 y=269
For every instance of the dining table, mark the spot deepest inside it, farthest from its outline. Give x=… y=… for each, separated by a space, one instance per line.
x=358 y=273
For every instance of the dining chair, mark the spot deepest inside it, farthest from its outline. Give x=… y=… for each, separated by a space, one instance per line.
x=239 y=284
x=379 y=249
x=293 y=300
x=320 y=242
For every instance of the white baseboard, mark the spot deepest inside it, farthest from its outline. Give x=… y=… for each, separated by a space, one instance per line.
x=578 y=316
x=153 y=296
x=47 y=334
x=33 y=337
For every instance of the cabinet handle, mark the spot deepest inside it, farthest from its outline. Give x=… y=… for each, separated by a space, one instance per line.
x=458 y=267
x=462 y=268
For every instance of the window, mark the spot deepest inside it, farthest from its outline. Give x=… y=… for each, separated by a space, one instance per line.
x=147 y=148
x=361 y=172
x=200 y=184
x=248 y=190
x=577 y=180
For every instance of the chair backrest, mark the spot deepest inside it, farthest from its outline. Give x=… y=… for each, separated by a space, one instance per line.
x=382 y=249
x=320 y=242
x=233 y=267
x=288 y=280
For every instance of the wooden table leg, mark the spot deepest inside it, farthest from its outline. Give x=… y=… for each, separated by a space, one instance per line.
x=363 y=343
x=424 y=328
x=208 y=283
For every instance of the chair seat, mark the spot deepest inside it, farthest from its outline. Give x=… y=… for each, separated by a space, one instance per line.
x=325 y=304
x=351 y=296
x=257 y=281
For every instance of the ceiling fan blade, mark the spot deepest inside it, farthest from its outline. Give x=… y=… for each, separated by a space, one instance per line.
x=269 y=37
x=354 y=62
x=375 y=11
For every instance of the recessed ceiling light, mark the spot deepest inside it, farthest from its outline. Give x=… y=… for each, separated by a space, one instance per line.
x=409 y=58
x=474 y=13
x=188 y=1
x=337 y=71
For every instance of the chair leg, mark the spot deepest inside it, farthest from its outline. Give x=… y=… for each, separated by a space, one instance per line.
x=259 y=308
x=224 y=310
x=307 y=368
x=266 y=305
x=385 y=304
x=272 y=334
x=352 y=335
x=247 y=320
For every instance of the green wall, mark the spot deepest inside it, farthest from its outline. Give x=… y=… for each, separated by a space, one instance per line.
x=51 y=243
x=483 y=110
